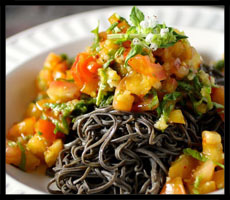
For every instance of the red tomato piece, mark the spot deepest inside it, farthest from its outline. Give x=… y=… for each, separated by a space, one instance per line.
x=47 y=129
x=85 y=68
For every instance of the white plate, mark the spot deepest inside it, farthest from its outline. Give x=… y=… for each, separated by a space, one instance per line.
x=26 y=51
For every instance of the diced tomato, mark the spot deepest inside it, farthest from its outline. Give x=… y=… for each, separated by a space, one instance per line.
x=218 y=97
x=126 y=52
x=85 y=69
x=63 y=91
x=126 y=44
x=143 y=65
x=174 y=186
x=47 y=129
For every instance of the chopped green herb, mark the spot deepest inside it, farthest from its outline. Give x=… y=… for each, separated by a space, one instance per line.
x=136 y=49
x=217 y=105
x=97 y=38
x=119 y=52
x=195 y=154
x=186 y=86
x=107 y=100
x=40 y=133
x=107 y=63
x=155 y=100
x=64 y=56
x=61 y=79
x=22 y=164
x=112 y=26
x=206 y=94
x=219 y=164
x=196 y=185
x=102 y=85
x=219 y=65
x=136 y=16
x=197 y=83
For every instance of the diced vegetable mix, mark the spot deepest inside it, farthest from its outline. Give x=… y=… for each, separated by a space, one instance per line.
x=199 y=172
x=139 y=66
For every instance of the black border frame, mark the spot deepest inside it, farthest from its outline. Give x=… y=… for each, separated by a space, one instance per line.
x=118 y=2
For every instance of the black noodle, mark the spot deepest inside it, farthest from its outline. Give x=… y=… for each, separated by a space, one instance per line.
x=118 y=152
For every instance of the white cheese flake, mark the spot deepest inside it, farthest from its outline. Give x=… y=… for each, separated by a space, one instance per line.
x=164 y=31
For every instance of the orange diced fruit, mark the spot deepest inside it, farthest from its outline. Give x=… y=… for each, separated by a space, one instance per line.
x=37 y=145
x=174 y=186
x=207 y=187
x=218 y=177
x=182 y=167
x=52 y=152
x=33 y=111
x=13 y=153
x=212 y=146
x=113 y=18
x=62 y=91
x=25 y=127
x=31 y=161
x=176 y=116
x=123 y=101
x=205 y=171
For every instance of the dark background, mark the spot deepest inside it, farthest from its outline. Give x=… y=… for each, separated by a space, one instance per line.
x=19 y=18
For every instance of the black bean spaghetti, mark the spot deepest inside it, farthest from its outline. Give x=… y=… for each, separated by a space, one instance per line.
x=121 y=153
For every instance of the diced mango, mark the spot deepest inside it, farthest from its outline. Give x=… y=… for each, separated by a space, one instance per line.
x=52 y=152
x=174 y=186
x=138 y=84
x=182 y=167
x=205 y=170
x=207 y=187
x=33 y=111
x=123 y=101
x=176 y=116
x=212 y=147
x=25 y=127
x=44 y=79
x=13 y=153
x=31 y=161
x=218 y=177
x=37 y=145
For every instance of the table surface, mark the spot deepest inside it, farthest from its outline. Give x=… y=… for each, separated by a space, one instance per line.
x=19 y=18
